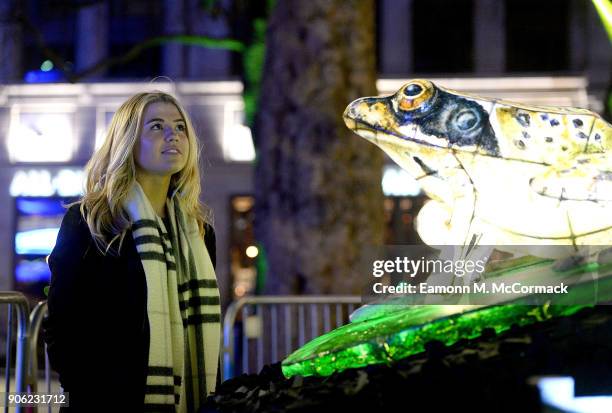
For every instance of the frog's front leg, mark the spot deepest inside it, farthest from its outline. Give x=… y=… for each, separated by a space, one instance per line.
x=476 y=247
x=442 y=224
x=445 y=223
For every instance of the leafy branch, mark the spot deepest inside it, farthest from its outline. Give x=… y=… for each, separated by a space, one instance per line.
x=190 y=40
x=131 y=54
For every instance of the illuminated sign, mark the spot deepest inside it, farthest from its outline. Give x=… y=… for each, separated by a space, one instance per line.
x=41 y=135
x=42 y=182
x=36 y=241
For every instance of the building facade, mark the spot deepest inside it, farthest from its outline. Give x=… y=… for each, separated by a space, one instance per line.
x=540 y=51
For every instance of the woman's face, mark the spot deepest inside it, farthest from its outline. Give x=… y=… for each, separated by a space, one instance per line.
x=163 y=146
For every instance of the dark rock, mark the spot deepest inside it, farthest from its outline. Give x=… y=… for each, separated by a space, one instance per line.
x=486 y=374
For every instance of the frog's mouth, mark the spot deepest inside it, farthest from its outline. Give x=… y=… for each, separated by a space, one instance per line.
x=376 y=118
x=379 y=135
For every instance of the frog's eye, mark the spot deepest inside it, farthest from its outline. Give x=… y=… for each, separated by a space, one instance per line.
x=466 y=119
x=416 y=96
x=413 y=90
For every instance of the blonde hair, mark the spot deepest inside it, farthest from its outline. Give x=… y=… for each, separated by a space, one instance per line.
x=111 y=172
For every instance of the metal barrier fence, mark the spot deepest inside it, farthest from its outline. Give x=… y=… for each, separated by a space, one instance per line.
x=271 y=327
x=50 y=387
x=18 y=306
x=26 y=350
x=264 y=328
x=36 y=317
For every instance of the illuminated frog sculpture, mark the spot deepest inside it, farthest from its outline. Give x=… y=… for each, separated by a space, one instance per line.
x=499 y=173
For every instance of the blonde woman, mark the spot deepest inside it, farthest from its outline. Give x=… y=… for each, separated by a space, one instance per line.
x=134 y=316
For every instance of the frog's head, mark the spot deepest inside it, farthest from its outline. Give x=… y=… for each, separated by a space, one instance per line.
x=423 y=120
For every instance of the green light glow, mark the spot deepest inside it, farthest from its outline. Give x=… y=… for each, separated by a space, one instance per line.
x=394 y=332
x=394 y=337
x=604 y=8
x=46 y=66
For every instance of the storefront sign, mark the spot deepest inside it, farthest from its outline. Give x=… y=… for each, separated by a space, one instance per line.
x=43 y=182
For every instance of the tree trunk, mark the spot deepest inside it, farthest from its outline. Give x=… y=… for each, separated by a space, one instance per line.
x=319 y=202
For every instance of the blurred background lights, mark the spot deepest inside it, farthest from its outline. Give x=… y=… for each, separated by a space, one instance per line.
x=46 y=66
x=42 y=182
x=32 y=271
x=31 y=183
x=238 y=143
x=38 y=241
x=397 y=182
x=47 y=73
x=252 y=251
x=558 y=392
x=68 y=182
x=40 y=137
x=103 y=120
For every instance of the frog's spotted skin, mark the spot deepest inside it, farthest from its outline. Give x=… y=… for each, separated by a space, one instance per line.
x=547 y=135
x=518 y=174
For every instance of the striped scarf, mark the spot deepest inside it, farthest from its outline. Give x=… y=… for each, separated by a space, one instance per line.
x=182 y=306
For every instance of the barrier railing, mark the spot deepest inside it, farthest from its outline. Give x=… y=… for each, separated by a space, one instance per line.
x=268 y=327
x=18 y=304
x=36 y=317
x=273 y=326
x=26 y=370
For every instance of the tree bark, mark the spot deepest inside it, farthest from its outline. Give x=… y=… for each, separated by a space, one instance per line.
x=319 y=203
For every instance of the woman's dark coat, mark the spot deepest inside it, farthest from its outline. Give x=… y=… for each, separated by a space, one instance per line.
x=97 y=330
